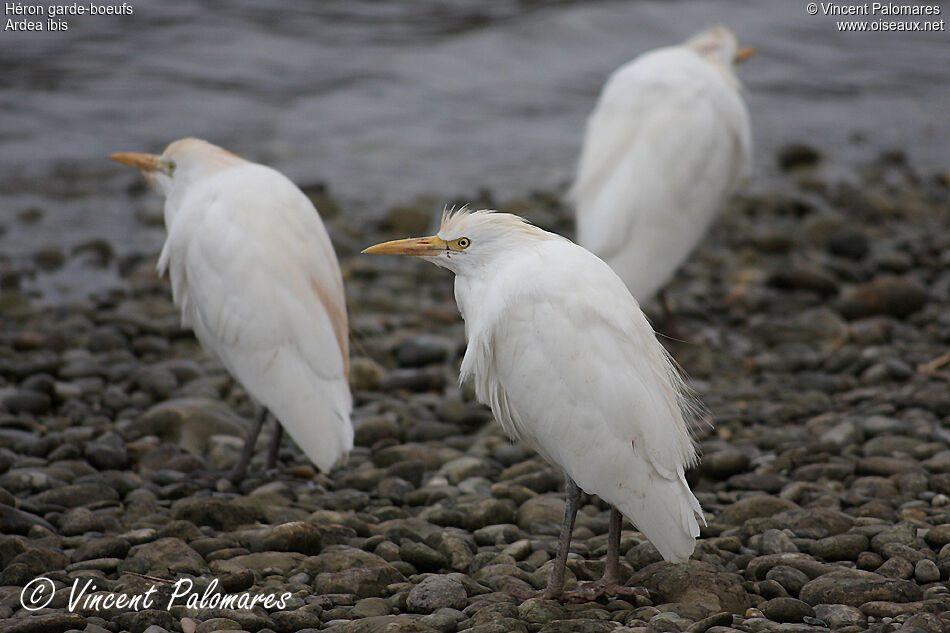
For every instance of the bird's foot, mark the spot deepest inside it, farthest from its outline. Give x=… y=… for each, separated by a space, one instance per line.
x=542 y=594
x=590 y=592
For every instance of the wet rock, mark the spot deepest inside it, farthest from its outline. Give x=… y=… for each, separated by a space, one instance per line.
x=425 y=349
x=892 y=296
x=416 y=379
x=14 y=521
x=75 y=495
x=139 y=621
x=855 y=587
x=488 y=512
x=365 y=374
x=838 y=616
x=926 y=571
x=387 y=623
x=696 y=582
x=421 y=556
x=787 y=610
x=541 y=515
x=242 y=567
x=840 y=547
x=105 y=547
x=107 y=452
x=753 y=507
x=81 y=520
x=791 y=579
x=722 y=464
x=850 y=243
x=368 y=431
x=796 y=156
x=24 y=401
x=296 y=536
x=188 y=422
x=436 y=592
x=539 y=611
x=45 y=623
x=776 y=542
x=166 y=554
x=220 y=514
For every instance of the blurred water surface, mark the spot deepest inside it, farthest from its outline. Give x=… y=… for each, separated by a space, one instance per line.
x=386 y=100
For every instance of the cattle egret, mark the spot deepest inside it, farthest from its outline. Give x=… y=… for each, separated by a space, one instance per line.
x=254 y=274
x=565 y=358
x=668 y=142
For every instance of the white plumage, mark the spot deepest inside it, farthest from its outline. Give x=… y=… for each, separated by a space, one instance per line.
x=668 y=142
x=563 y=355
x=254 y=273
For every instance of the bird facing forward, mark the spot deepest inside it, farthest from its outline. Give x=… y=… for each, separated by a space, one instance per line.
x=668 y=142
x=255 y=276
x=566 y=360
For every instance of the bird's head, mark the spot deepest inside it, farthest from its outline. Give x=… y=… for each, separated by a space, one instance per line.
x=469 y=240
x=182 y=161
x=719 y=46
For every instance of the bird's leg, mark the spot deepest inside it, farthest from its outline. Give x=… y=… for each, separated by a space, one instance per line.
x=274 y=447
x=240 y=469
x=555 y=587
x=609 y=584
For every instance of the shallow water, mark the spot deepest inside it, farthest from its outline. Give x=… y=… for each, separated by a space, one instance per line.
x=384 y=101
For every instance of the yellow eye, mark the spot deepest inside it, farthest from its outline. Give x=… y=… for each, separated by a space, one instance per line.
x=463 y=242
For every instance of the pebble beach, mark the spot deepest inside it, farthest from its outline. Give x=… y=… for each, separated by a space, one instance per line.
x=816 y=332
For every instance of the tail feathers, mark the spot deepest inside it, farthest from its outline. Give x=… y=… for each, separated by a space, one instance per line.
x=315 y=411
x=668 y=515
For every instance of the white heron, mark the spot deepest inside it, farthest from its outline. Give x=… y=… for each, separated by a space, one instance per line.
x=667 y=144
x=565 y=358
x=255 y=276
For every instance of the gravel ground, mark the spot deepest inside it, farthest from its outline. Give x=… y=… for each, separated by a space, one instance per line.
x=818 y=332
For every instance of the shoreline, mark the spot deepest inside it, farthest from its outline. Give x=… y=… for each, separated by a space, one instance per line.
x=818 y=340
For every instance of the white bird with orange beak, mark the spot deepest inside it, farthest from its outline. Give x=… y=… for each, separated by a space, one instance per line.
x=667 y=144
x=255 y=275
x=568 y=363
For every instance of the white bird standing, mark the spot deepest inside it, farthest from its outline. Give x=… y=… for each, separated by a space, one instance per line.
x=667 y=144
x=254 y=273
x=565 y=358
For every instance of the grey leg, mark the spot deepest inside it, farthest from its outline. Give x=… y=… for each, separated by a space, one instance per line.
x=556 y=582
x=240 y=469
x=612 y=568
x=274 y=450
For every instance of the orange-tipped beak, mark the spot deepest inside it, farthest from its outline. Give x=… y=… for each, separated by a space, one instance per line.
x=745 y=53
x=417 y=246
x=145 y=162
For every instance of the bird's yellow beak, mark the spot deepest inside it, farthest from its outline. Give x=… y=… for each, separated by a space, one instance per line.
x=745 y=53
x=145 y=162
x=417 y=246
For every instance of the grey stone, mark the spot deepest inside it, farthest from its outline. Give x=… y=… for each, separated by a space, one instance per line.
x=26 y=401
x=791 y=579
x=787 y=610
x=840 y=547
x=169 y=554
x=838 y=616
x=753 y=507
x=436 y=592
x=855 y=587
x=926 y=571
x=221 y=514
x=696 y=582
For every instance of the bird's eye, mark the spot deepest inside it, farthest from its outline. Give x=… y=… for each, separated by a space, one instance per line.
x=463 y=242
x=170 y=166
